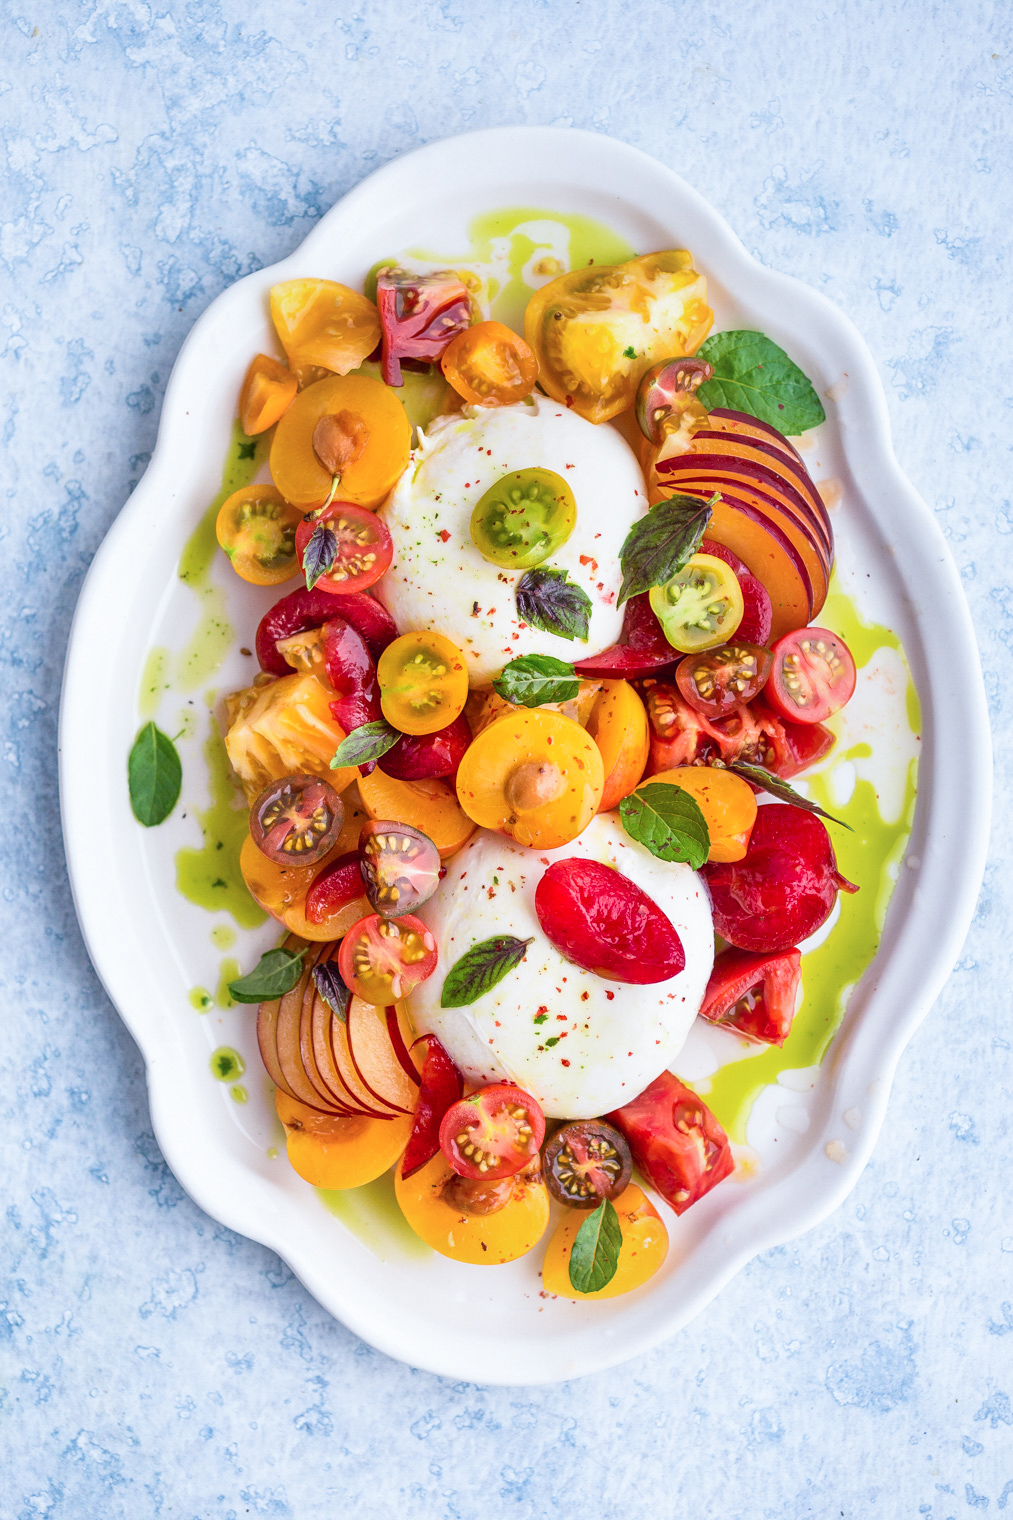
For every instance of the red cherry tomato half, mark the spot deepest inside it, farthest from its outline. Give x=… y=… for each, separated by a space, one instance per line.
x=400 y=867
x=813 y=675
x=441 y=1086
x=605 y=923
x=381 y=960
x=416 y=757
x=492 y=1133
x=296 y=820
x=718 y=681
x=419 y=314
x=754 y=995
x=676 y=1141
x=337 y=885
x=353 y=544
x=302 y=610
x=783 y=889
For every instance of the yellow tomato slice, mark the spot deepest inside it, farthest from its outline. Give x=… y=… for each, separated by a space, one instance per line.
x=423 y=682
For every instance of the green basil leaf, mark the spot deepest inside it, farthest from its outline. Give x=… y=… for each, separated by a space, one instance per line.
x=752 y=374
x=331 y=986
x=480 y=968
x=154 y=775
x=546 y=601
x=660 y=544
x=367 y=742
x=535 y=679
x=275 y=973
x=319 y=554
x=667 y=821
x=768 y=782
x=594 y=1257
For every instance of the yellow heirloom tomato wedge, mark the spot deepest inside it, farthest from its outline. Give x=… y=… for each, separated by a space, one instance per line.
x=597 y=331
x=534 y=775
x=338 y=1153
x=268 y=391
x=440 y=1207
x=726 y=801
x=349 y=427
x=284 y=728
x=323 y=323
x=644 y=1248
x=423 y=682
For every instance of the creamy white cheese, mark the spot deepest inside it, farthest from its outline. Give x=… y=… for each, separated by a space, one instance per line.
x=580 y=1044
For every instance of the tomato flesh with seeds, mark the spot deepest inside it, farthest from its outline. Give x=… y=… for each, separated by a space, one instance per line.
x=676 y=1141
x=295 y=821
x=489 y=365
x=400 y=867
x=754 y=995
x=303 y=610
x=256 y=528
x=700 y=606
x=417 y=757
x=356 y=545
x=381 y=960
x=492 y=1133
x=605 y=923
x=441 y=1086
x=423 y=683
x=586 y=1162
x=784 y=888
x=812 y=677
x=722 y=679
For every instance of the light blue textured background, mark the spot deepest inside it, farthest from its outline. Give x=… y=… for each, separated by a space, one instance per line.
x=153 y=1363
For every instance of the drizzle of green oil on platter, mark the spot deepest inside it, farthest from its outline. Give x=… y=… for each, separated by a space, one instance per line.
x=373 y=1214
x=210 y=876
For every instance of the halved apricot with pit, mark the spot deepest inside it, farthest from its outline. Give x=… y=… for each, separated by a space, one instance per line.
x=534 y=775
x=350 y=428
x=429 y=1201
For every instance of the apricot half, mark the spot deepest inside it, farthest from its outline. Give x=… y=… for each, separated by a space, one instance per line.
x=534 y=775
x=485 y=1240
x=644 y=1248
x=429 y=805
x=619 y=726
x=377 y=429
x=727 y=802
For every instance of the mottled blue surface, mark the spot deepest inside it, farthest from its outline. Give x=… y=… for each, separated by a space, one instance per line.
x=152 y=1362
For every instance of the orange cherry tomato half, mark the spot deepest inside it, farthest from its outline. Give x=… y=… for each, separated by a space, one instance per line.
x=493 y=1132
x=268 y=391
x=813 y=675
x=351 y=543
x=381 y=959
x=489 y=365
x=256 y=528
x=423 y=682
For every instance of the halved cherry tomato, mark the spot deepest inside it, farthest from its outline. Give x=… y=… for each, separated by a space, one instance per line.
x=415 y=757
x=523 y=518
x=268 y=391
x=676 y=1141
x=605 y=923
x=423 y=682
x=382 y=960
x=534 y=775
x=352 y=544
x=366 y=443
x=419 y=314
x=323 y=323
x=701 y=606
x=666 y=404
x=585 y=1162
x=440 y=1088
x=337 y=887
x=754 y=995
x=400 y=867
x=717 y=682
x=296 y=820
x=813 y=675
x=257 y=529
x=726 y=801
x=492 y=1133
x=489 y=365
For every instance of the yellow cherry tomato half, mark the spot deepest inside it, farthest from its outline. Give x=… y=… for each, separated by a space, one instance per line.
x=349 y=426
x=489 y=365
x=726 y=801
x=325 y=324
x=256 y=529
x=644 y=1248
x=423 y=682
x=701 y=606
x=268 y=392
x=534 y=775
x=438 y=1209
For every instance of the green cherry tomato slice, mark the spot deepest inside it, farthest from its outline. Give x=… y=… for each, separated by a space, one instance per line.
x=701 y=606
x=523 y=518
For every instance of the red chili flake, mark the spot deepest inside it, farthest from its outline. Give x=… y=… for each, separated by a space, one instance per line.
x=584 y=996
x=543 y=1009
x=444 y=534
x=589 y=559
x=563 y=1061
x=562 y=1016
x=610 y=996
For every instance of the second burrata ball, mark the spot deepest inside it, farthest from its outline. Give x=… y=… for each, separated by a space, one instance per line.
x=439 y=580
x=578 y=1042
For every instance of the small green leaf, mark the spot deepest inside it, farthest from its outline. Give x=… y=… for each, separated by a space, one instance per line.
x=594 y=1258
x=667 y=821
x=546 y=601
x=319 y=554
x=658 y=545
x=768 y=782
x=331 y=986
x=535 y=679
x=480 y=968
x=154 y=775
x=367 y=742
x=275 y=973
x=752 y=374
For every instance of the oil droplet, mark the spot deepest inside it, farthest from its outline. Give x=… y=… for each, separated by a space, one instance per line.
x=210 y=876
x=228 y=973
x=201 y=999
x=238 y=1093
x=223 y=936
x=272 y=1153
x=226 y=1064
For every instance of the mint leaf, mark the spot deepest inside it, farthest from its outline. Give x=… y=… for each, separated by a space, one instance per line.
x=319 y=554
x=535 y=679
x=546 y=601
x=752 y=374
x=667 y=821
x=660 y=544
x=480 y=968
x=367 y=742
x=275 y=973
x=154 y=776
x=768 y=782
x=594 y=1258
x=331 y=986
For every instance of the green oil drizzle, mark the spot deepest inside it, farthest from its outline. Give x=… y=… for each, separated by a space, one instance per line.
x=223 y=936
x=201 y=999
x=228 y=973
x=210 y=876
x=238 y=1094
x=373 y=1214
x=154 y=681
x=226 y=1064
